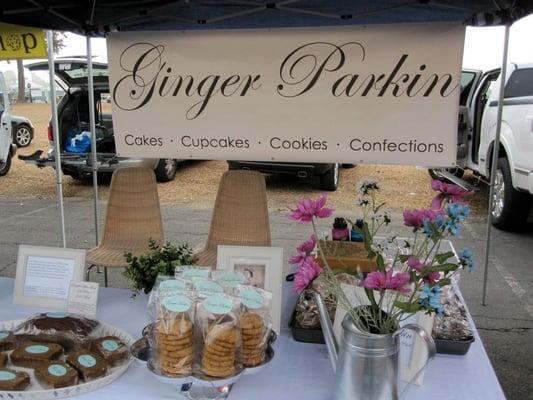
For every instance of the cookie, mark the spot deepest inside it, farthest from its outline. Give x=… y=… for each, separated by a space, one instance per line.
x=180 y=327
x=250 y=320
x=3 y=359
x=222 y=334
x=7 y=340
x=219 y=373
x=13 y=380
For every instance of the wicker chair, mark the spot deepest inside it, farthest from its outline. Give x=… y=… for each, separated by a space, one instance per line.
x=240 y=216
x=133 y=217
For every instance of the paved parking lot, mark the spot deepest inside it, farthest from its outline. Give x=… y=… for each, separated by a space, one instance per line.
x=505 y=324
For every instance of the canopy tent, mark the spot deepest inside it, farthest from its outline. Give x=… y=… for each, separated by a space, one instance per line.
x=96 y=18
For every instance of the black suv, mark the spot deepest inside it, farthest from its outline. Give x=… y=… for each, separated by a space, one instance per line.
x=329 y=173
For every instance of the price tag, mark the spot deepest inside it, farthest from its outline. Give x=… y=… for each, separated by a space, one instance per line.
x=83 y=298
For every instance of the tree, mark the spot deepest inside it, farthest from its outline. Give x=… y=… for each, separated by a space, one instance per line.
x=58 y=39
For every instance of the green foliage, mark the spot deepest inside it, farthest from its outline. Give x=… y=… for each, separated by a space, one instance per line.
x=142 y=271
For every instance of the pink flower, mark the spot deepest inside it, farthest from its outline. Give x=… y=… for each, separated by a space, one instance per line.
x=447 y=191
x=378 y=280
x=414 y=263
x=297 y=259
x=432 y=278
x=306 y=209
x=415 y=218
x=308 y=271
x=308 y=246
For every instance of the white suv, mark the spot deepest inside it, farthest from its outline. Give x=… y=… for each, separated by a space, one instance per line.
x=477 y=129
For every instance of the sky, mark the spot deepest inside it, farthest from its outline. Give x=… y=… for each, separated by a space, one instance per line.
x=483 y=46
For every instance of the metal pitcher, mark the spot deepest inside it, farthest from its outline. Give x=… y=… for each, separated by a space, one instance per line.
x=366 y=365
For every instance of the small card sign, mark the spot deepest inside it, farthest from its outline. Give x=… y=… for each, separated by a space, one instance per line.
x=83 y=298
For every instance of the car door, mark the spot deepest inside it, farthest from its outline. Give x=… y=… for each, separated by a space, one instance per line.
x=5 y=122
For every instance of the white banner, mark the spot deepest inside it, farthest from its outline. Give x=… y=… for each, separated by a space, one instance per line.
x=375 y=94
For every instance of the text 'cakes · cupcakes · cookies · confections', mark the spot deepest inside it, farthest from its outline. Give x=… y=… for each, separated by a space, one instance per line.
x=112 y=349
x=173 y=336
x=11 y=379
x=218 y=316
x=32 y=354
x=7 y=340
x=3 y=359
x=90 y=365
x=56 y=374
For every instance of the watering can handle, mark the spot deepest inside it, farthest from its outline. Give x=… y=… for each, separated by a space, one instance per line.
x=432 y=350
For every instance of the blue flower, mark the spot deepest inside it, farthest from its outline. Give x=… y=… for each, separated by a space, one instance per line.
x=430 y=299
x=453 y=227
x=466 y=260
x=433 y=227
x=458 y=211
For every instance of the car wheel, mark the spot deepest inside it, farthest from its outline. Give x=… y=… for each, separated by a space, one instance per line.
x=458 y=172
x=509 y=207
x=166 y=170
x=22 y=137
x=5 y=165
x=330 y=180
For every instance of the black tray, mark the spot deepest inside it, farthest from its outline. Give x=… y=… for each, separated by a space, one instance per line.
x=306 y=335
x=456 y=347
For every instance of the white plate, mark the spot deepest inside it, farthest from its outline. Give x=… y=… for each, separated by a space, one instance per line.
x=36 y=392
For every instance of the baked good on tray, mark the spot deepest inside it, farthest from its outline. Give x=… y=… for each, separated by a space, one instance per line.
x=3 y=359
x=89 y=364
x=253 y=339
x=11 y=379
x=7 y=340
x=111 y=349
x=218 y=356
x=32 y=354
x=56 y=374
x=69 y=330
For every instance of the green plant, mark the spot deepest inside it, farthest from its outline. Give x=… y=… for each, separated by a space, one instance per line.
x=142 y=271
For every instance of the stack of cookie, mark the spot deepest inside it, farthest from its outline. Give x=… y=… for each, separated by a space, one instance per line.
x=253 y=339
x=220 y=348
x=174 y=344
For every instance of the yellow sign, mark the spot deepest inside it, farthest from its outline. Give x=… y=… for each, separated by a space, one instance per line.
x=17 y=42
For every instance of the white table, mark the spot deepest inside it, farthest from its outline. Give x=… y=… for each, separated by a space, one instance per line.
x=298 y=371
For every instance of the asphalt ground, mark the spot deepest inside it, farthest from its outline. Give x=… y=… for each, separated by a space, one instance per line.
x=505 y=323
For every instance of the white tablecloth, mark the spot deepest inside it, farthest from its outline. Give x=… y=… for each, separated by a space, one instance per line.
x=298 y=371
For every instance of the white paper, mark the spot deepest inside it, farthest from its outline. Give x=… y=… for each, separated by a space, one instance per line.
x=83 y=298
x=48 y=277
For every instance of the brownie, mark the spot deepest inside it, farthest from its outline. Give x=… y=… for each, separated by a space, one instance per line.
x=11 y=379
x=32 y=354
x=7 y=340
x=69 y=330
x=3 y=359
x=56 y=374
x=111 y=349
x=90 y=365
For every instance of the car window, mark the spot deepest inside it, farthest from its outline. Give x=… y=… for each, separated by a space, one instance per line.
x=520 y=83
x=467 y=80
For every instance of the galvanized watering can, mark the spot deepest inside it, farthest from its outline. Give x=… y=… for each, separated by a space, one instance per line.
x=366 y=365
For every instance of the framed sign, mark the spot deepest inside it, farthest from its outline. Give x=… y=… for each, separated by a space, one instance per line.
x=44 y=275
x=413 y=350
x=382 y=94
x=263 y=268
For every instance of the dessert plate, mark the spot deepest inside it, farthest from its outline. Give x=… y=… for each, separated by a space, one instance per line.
x=36 y=392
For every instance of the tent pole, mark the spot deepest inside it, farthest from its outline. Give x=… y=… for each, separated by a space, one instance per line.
x=494 y=161
x=92 y=128
x=55 y=131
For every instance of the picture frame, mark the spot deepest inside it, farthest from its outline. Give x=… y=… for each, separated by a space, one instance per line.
x=411 y=363
x=44 y=274
x=263 y=266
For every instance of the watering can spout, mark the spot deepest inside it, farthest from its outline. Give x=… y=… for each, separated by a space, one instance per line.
x=327 y=330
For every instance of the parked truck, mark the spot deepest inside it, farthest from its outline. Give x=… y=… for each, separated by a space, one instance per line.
x=513 y=188
x=7 y=148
